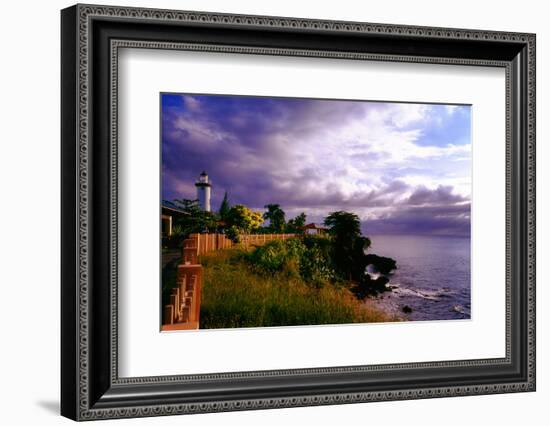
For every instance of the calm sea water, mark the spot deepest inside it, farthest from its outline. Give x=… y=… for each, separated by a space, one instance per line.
x=432 y=276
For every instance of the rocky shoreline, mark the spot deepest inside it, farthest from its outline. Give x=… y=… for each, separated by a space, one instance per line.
x=403 y=304
x=383 y=303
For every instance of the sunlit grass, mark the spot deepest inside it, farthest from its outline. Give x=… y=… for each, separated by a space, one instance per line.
x=235 y=295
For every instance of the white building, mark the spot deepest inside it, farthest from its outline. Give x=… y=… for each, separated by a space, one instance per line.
x=203 y=191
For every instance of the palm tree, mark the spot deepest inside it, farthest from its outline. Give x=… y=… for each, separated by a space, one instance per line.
x=343 y=226
x=276 y=217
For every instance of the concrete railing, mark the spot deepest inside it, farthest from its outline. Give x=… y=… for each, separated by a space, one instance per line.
x=183 y=311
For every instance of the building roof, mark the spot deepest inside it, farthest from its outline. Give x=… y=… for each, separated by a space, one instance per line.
x=170 y=208
x=315 y=226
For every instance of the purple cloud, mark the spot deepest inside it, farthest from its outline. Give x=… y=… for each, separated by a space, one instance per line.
x=392 y=164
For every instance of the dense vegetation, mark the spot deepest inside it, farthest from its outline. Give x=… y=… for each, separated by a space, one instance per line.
x=308 y=258
x=292 y=282
x=232 y=220
x=349 y=257
x=332 y=260
x=266 y=288
x=310 y=279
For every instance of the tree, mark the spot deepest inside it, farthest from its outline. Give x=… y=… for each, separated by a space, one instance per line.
x=187 y=205
x=193 y=219
x=276 y=217
x=350 y=259
x=348 y=244
x=224 y=207
x=296 y=225
x=244 y=219
x=343 y=226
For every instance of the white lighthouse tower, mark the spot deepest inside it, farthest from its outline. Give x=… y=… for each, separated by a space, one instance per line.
x=203 y=191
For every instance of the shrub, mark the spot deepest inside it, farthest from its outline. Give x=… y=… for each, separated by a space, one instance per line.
x=233 y=234
x=309 y=259
x=316 y=264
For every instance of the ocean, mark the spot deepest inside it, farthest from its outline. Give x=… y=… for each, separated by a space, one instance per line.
x=432 y=276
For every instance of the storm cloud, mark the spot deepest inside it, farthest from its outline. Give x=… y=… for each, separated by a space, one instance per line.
x=403 y=168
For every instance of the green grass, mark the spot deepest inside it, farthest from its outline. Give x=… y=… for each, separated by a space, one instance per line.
x=235 y=294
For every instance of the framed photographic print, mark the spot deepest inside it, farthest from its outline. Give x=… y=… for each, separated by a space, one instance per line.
x=263 y=212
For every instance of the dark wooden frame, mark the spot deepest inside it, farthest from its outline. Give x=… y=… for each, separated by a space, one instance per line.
x=90 y=386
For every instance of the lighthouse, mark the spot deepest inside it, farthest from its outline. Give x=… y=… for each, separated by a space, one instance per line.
x=203 y=191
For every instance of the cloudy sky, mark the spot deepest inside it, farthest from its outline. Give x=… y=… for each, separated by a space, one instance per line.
x=402 y=168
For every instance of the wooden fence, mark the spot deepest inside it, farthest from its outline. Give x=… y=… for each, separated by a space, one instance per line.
x=260 y=239
x=183 y=311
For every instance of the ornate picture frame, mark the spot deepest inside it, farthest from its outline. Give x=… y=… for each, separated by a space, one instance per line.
x=91 y=37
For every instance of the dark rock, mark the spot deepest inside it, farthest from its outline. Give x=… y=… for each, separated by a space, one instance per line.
x=384 y=265
x=407 y=309
x=369 y=286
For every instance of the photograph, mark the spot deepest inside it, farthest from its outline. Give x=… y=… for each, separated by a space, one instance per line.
x=279 y=211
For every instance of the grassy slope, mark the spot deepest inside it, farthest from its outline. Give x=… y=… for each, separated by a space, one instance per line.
x=235 y=296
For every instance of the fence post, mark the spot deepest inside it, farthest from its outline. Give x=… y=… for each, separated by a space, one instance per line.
x=182 y=285
x=174 y=303
x=177 y=301
x=197 y=239
x=198 y=294
x=168 y=314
